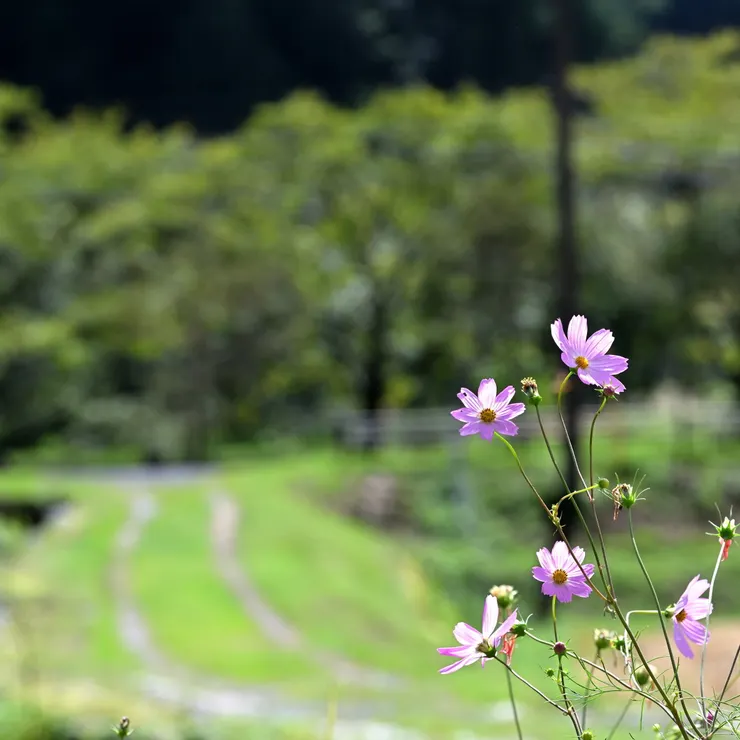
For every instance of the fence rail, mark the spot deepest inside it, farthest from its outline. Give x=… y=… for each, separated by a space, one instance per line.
x=435 y=425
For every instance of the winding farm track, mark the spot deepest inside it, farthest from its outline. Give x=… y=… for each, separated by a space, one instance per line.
x=165 y=681
x=169 y=682
x=226 y=518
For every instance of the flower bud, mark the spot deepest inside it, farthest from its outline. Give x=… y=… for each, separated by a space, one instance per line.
x=506 y=595
x=642 y=677
x=624 y=495
x=560 y=648
x=531 y=391
x=726 y=531
x=123 y=729
x=519 y=628
x=604 y=639
x=604 y=484
x=608 y=391
x=550 y=672
x=620 y=643
x=587 y=735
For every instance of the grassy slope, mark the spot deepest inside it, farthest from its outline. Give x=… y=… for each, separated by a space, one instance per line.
x=192 y=615
x=347 y=588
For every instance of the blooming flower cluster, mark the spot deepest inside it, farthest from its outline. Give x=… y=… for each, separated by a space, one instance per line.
x=562 y=570
x=489 y=412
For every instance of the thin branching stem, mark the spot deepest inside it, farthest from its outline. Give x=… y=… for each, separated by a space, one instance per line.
x=656 y=600
x=561 y=674
x=599 y=533
x=565 y=427
x=589 y=680
x=727 y=685
x=706 y=623
x=549 y=514
x=620 y=719
x=533 y=687
x=510 y=686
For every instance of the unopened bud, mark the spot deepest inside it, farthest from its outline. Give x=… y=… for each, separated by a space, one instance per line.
x=519 y=628
x=560 y=648
x=531 y=391
x=123 y=729
x=609 y=390
x=726 y=531
x=550 y=672
x=587 y=735
x=603 y=484
x=620 y=643
x=604 y=639
x=642 y=677
x=505 y=595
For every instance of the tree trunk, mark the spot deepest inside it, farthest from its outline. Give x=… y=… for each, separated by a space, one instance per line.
x=567 y=247
x=374 y=376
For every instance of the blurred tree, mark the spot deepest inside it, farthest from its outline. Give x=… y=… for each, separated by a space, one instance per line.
x=210 y=63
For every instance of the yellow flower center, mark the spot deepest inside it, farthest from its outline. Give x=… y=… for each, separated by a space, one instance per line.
x=488 y=416
x=559 y=577
x=681 y=616
x=485 y=647
x=581 y=362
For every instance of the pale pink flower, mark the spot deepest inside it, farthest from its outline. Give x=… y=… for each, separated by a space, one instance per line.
x=588 y=355
x=487 y=412
x=560 y=574
x=476 y=645
x=687 y=612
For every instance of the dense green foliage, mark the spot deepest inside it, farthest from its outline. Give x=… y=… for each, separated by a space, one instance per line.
x=167 y=293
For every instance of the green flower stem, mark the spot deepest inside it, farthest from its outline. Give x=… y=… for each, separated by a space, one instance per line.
x=510 y=686
x=613 y=678
x=706 y=623
x=565 y=426
x=561 y=674
x=549 y=514
x=589 y=680
x=620 y=719
x=549 y=450
x=533 y=687
x=672 y=657
x=522 y=471
x=600 y=534
x=605 y=581
x=728 y=682
x=591 y=441
x=612 y=600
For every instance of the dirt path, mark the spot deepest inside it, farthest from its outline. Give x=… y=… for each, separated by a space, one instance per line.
x=226 y=521
x=201 y=696
x=163 y=679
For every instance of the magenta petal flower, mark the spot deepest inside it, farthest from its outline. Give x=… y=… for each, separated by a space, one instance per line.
x=559 y=572
x=487 y=412
x=587 y=356
x=476 y=645
x=688 y=610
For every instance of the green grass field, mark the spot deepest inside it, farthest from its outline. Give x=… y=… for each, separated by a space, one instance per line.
x=381 y=601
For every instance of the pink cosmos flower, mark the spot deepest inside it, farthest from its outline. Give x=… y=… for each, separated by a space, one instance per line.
x=559 y=572
x=587 y=356
x=487 y=412
x=476 y=645
x=688 y=610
